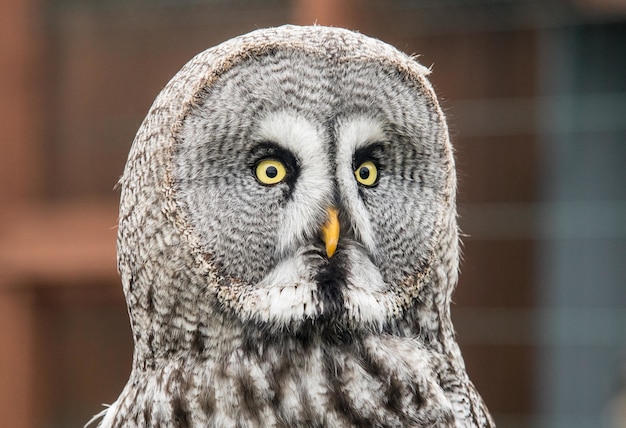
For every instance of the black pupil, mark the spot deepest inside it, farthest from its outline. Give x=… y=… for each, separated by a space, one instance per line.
x=364 y=173
x=271 y=171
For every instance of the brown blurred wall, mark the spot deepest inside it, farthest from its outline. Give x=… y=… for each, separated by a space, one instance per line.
x=19 y=182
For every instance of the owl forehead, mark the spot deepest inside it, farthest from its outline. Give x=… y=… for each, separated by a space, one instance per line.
x=322 y=89
x=320 y=108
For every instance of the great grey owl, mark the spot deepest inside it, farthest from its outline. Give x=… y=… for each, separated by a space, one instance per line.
x=288 y=242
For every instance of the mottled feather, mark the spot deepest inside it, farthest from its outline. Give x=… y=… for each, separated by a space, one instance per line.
x=239 y=316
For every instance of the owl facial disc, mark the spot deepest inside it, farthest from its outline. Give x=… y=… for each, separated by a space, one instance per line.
x=315 y=195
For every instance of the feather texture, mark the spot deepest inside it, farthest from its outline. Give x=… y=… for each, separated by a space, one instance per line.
x=239 y=316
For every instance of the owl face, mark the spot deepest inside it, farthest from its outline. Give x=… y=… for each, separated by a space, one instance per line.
x=314 y=185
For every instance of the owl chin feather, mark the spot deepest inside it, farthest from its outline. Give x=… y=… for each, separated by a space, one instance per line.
x=347 y=289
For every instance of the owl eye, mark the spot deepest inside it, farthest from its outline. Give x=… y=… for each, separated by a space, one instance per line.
x=270 y=171
x=367 y=174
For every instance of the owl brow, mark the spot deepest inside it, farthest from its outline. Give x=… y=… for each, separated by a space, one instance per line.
x=372 y=151
x=268 y=149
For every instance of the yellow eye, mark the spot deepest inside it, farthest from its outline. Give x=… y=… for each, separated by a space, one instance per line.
x=270 y=171
x=367 y=174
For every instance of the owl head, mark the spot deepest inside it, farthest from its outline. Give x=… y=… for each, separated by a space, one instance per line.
x=293 y=178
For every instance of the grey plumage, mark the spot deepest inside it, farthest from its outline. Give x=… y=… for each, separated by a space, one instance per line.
x=240 y=314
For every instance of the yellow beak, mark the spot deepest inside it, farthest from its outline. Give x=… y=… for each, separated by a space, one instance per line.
x=330 y=232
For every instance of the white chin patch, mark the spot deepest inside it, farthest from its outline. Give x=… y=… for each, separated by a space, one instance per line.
x=289 y=295
x=368 y=299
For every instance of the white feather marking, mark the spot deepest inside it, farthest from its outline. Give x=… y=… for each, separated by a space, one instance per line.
x=313 y=191
x=366 y=297
x=286 y=293
x=100 y=415
x=352 y=134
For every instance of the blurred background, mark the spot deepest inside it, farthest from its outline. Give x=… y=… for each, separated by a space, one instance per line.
x=535 y=93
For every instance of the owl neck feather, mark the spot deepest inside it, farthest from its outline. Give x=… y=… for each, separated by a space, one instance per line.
x=319 y=376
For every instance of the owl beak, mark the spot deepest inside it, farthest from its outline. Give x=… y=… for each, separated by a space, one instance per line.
x=330 y=232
